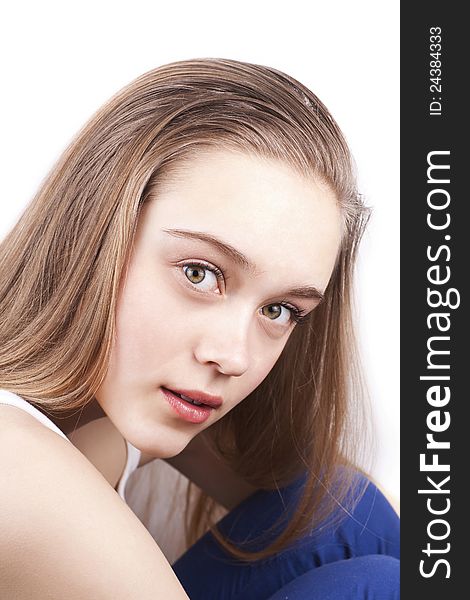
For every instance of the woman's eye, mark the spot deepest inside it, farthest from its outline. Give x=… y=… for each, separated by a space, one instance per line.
x=205 y=278
x=278 y=313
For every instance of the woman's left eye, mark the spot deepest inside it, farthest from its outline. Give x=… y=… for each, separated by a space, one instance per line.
x=282 y=315
x=278 y=313
x=198 y=273
x=294 y=314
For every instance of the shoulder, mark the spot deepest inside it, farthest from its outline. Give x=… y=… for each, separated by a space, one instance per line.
x=60 y=514
x=365 y=482
x=391 y=499
x=104 y=447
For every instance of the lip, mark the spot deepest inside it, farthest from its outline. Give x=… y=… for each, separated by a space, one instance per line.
x=208 y=399
x=185 y=410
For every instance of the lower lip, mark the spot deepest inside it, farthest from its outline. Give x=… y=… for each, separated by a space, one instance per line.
x=185 y=410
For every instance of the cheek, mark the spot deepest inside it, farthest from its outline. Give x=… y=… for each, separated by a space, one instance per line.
x=262 y=364
x=147 y=327
x=265 y=365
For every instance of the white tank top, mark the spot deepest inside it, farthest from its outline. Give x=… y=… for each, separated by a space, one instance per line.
x=133 y=453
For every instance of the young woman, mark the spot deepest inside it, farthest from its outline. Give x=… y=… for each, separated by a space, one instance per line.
x=180 y=288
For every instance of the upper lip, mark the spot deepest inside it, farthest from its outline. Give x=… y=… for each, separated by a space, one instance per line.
x=213 y=401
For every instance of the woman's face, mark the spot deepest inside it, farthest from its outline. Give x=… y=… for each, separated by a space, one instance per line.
x=206 y=304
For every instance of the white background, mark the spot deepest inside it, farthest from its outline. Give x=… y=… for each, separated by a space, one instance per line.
x=61 y=61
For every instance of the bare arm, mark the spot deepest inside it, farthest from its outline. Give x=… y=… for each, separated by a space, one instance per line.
x=65 y=531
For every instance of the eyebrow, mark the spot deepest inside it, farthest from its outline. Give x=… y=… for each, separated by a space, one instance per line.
x=304 y=291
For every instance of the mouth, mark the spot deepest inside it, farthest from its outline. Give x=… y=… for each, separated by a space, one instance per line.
x=190 y=405
x=197 y=398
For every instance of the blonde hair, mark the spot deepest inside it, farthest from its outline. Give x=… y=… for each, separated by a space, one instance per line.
x=61 y=266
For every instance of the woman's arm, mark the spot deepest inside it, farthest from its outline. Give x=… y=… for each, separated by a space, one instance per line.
x=65 y=531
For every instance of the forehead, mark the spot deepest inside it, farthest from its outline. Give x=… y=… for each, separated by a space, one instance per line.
x=260 y=206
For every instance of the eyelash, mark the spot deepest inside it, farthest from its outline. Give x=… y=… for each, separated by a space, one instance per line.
x=298 y=316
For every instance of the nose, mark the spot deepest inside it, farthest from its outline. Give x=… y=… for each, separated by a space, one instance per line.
x=224 y=342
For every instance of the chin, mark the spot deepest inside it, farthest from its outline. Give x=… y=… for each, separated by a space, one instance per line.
x=164 y=444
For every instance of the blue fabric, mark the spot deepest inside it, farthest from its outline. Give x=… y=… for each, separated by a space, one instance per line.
x=373 y=577
x=355 y=560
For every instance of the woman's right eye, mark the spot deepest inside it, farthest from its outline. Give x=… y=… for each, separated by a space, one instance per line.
x=204 y=277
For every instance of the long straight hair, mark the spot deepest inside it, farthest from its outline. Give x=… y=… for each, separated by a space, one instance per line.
x=62 y=264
